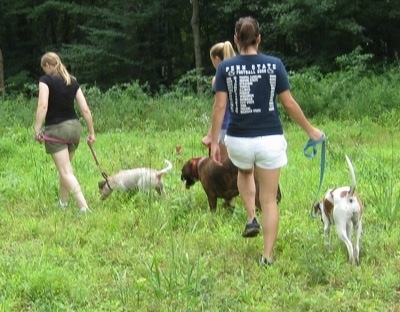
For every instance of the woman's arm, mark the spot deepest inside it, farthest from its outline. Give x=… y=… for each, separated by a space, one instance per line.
x=295 y=112
x=41 y=110
x=87 y=115
x=220 y=100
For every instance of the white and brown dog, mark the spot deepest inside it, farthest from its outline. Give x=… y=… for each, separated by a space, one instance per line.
x=343 y=208
x=137 y=179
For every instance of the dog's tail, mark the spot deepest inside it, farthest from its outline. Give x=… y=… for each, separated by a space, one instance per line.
x=352 y=176
x=166 y=169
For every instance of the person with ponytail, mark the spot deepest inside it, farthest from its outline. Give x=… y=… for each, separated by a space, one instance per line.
x=219 y=52
x=252 y=81
x=58 y=91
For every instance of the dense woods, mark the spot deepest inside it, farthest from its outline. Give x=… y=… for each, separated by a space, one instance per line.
x=105 y=43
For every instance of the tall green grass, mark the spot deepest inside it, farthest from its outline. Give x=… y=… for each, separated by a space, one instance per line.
x=148 y=253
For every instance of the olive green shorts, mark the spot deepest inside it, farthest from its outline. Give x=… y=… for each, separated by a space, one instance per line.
x=69 y=131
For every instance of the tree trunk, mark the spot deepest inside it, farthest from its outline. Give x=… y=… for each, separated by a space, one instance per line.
x=197 y=47
x=2 y=90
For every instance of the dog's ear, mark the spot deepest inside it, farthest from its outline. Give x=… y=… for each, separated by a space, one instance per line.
x=101 y=184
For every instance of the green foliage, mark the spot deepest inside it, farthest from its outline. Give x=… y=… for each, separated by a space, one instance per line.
x=130 y=106
x=354 y=62
x=17 y=84
x=105 y=43
x=17 y=111
x=354 y=93
x=189 y=83
x=350 y=94
x=307 y=31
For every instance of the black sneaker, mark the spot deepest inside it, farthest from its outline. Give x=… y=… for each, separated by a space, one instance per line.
x=251 y=229
x=265 y=262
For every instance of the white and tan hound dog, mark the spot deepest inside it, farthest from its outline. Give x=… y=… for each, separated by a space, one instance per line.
x=343 y=208
x=137 y=179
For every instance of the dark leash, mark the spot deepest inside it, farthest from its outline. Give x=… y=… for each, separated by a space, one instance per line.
x=43 y=137
x=313 y=144
x=105 y=175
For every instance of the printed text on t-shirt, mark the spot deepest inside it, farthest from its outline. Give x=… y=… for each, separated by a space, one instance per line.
x=240 y=79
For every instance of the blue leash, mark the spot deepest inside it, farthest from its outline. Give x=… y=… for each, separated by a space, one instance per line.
x=313 y=144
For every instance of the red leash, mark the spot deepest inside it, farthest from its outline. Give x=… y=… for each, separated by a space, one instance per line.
x=42 y=137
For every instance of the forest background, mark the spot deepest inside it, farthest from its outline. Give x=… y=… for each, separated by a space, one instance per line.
x=105 y=43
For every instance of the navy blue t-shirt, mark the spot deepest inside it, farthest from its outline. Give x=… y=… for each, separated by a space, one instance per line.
x=252 y=83
x=61 y=99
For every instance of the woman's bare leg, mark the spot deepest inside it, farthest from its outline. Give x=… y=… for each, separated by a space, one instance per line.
x=247 y=191
x=268 y=183
x=68 y=181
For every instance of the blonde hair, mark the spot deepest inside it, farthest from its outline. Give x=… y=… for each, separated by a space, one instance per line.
x=54 y=60
x=222 y=50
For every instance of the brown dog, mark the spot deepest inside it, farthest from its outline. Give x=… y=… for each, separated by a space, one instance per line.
x=217 y=181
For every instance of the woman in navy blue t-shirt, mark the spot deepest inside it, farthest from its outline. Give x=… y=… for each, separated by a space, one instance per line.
x=255 y=141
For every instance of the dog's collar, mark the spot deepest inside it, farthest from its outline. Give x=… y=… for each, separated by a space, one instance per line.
x=105 y=176
x=194 y=164
x=109 y=186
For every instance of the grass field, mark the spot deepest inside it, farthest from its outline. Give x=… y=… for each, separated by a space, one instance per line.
x=146 y=253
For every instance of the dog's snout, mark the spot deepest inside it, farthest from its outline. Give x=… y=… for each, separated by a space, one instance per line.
x=189 y=181
x=101 y=184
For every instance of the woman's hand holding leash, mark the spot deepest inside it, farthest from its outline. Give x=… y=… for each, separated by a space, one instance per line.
x=206 y=140
x=39 y=137
x=216 y=154
x=91 y=139
x=315 y=134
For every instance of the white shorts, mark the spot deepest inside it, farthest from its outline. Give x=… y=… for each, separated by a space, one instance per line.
x=221 y=137
x=266 y=152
